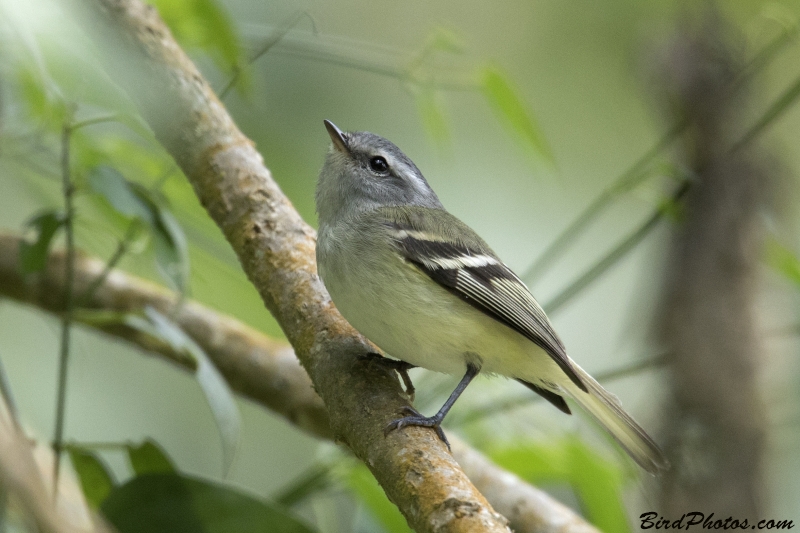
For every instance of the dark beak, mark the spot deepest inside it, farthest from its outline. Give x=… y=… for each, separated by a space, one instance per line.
x=337 y=136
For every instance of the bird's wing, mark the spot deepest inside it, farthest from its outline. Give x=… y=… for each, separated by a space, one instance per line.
x=469 y=269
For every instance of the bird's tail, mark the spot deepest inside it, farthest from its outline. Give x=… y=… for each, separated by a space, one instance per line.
x=607 y=410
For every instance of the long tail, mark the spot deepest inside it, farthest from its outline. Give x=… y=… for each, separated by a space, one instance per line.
x=607 y=410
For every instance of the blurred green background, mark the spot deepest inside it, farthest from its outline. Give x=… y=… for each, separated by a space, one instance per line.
x=440 y=79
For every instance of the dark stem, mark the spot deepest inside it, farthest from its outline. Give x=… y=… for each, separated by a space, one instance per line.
x=122 y=248
x=66 y=317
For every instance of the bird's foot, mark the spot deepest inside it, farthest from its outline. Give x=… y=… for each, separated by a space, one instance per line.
x=414 y=418
x=401 y=367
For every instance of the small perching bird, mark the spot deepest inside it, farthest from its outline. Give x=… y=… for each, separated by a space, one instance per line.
x=427 y=290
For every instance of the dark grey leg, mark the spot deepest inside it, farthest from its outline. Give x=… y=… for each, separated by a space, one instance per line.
x=435 y=421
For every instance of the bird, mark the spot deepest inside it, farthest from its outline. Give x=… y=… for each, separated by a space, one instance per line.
x=428 y=291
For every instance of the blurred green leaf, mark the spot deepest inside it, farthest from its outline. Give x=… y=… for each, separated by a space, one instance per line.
x=446 y=40
x=171 y=248
x=149 y=458
x=170 y=503
x=512 y=110
x=69 y=73
x=363 y=483
x=117 y=191
x=597 y=482
x=433 y=118
x=783 y=259
x=599 y=486
x=203 y=24
x=41 y=102
x=95 y=478
x=33 y=256
x=317 y=478
x=132 y=200
x=217 y=393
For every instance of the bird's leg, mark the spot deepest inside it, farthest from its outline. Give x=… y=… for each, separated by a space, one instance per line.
x=435 y=421
x=401 y=367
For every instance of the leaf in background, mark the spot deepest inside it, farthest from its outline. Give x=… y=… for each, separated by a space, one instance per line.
x=597 y=482
x=512 y=110
x=432 y=115
x=217 y=393
x=169 y=503
x=599 y=486
x=149 y=458
x=132 y=200
x=315 y=479
x=446 y=40
x=95 y=479
x=40 y=101
x=783 y=260
x=172 y=250
x=117 y=191
x=363 y=483
x=33 y=256
x=203 y=24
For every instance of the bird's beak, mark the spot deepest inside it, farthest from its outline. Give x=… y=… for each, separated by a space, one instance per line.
x=337 y=136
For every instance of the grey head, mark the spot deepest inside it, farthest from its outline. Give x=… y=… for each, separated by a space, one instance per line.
x=364 y=171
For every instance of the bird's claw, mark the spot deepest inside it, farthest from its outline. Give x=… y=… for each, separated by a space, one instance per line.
x=414 y=418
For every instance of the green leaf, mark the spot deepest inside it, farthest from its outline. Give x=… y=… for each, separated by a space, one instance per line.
x=514 y=113
x=132 y=200
x=783 y=259
x=40 y=101
x=599 y=485
x=33 y=256
x=171 y=248
x=597 y=482
x=446 y=40
x=95 y=479
x=433 y=118
x=149 y=458
x=364 y=485
x=202 y=24
x=217 y=393
x=120 y=195
x=169 y=503
x=317 y=478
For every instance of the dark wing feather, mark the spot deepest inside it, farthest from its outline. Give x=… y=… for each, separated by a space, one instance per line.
x=550 y=396
x=482 y=280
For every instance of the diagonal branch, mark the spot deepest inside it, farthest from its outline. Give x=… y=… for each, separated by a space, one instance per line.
x=276 y=250
x=259 y=368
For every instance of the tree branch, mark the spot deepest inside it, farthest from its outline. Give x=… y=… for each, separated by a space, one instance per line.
x=259 y=368
x=276 y=250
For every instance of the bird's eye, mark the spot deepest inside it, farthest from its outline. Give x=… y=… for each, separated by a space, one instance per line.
x=378 y=164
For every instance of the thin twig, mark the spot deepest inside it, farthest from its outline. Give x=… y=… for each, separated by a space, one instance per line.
x=122 y=249
x=636 y=173
x=94 y=120
x=66 y=318
x=8 y=397
x=781 y=104
x=629 y=179
x=266 y=46
x=617 y=253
